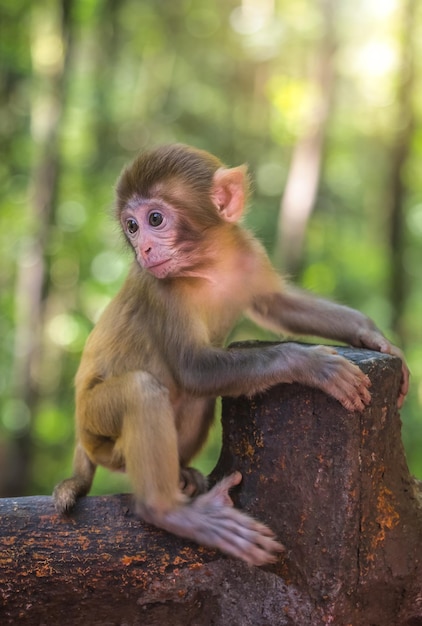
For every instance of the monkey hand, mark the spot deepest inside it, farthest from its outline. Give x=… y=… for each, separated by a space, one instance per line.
x=211 y=520
x=405 y=373
x=373 y=339
x=329 y=371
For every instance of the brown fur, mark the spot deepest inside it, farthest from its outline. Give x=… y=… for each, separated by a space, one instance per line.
x=155 y=361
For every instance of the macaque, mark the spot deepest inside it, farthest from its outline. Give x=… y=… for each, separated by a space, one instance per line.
x=155 y=362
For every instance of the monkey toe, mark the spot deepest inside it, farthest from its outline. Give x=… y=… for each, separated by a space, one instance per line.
x=67 y=492
x=219 y=495
x=64 y=498
x=232 y=480
x=243 y=537
x=192 y=482
x=258 y=554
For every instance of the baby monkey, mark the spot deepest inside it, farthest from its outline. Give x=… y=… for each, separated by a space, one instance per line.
x=155 y=361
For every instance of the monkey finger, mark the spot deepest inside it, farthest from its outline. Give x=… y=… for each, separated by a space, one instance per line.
x=357 y=385
x=404 y=387
x=349 y=385
x=357 y=399
x=353 y=399
x=363 y=391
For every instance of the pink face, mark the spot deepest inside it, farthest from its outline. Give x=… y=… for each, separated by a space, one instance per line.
x=151 y=228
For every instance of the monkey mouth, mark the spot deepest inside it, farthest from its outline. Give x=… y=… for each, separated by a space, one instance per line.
x=159 y=269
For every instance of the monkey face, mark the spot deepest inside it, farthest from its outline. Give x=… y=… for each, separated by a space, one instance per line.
x=173 y=203
x=150 y=227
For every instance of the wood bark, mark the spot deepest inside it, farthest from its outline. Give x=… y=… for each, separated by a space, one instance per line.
x=334 y=485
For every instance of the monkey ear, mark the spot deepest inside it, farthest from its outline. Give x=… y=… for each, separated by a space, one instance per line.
x=229 y=192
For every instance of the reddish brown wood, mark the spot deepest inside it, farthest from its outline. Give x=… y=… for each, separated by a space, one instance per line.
x=336 y=488
x=334 y=485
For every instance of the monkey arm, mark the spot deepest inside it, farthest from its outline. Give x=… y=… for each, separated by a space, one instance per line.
x=209 y=371
x=298 y=312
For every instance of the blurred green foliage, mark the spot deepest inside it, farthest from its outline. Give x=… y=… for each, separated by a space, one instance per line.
x=231 y=77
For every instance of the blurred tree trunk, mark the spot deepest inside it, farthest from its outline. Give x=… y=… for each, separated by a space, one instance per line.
x=401 y=148
x=303 y=179
x=32 y=288
x=108 y=39
x=12 y=38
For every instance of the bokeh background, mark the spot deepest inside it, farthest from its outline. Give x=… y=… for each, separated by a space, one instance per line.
x=322 y=99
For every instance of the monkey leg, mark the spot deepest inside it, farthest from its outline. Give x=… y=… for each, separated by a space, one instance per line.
x=148 y=443
x=68 y=491
x=124 y=419
x=193 y=420
x=150 y=448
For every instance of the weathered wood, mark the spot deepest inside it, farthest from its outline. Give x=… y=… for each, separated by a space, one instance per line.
x=336 y=488
x=333 y=485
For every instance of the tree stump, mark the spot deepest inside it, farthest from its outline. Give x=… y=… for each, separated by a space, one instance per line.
x=334 y=486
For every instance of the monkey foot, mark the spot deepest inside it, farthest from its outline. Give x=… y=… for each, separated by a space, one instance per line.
x=211 y=520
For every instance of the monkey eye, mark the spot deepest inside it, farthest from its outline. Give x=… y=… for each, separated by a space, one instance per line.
x=132 y=226
x=155 y=218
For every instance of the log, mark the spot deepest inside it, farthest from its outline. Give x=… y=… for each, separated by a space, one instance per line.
x=334 y=485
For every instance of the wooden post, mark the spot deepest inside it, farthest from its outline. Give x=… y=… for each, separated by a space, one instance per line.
x=334 y=485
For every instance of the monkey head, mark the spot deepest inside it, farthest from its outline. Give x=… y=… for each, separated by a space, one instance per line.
x=171 y=203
